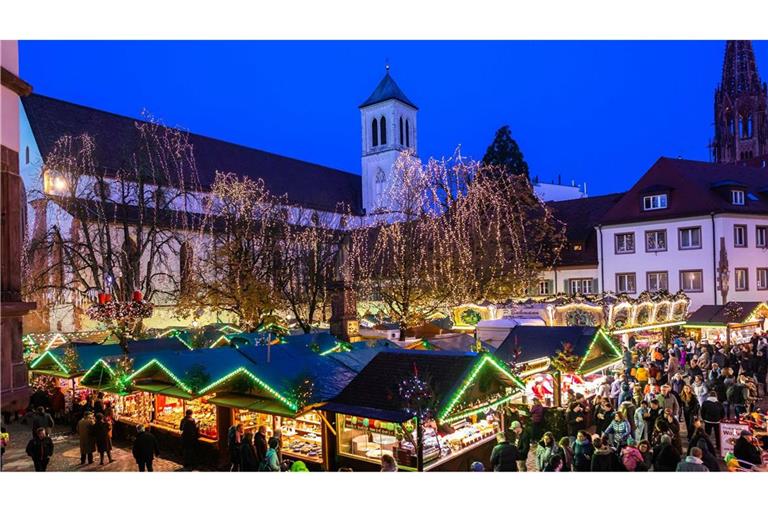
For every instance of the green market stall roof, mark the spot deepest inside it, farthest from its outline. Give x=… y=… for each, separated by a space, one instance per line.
x=730 y=313
x=374 y=392
x=55 y=361
x=528 y=344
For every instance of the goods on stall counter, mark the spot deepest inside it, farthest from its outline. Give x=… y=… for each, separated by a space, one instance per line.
x=466 y=434
x=171 y=411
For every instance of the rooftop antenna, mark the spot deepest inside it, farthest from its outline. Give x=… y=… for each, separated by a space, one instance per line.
x=386 y=64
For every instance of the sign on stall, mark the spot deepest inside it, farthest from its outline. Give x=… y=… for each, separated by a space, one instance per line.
x=729 y=433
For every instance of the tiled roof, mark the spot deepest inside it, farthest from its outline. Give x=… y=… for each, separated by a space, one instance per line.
x=311 y=185
x=387 y=90
x=580 y=217
x=694 y=188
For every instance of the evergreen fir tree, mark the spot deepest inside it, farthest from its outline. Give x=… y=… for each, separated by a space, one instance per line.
x=504 y=154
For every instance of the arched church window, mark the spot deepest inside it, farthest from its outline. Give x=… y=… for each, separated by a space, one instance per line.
x=749 y=126
x=383 y=129
x=374 y=133
x=407 y=134
x=401 y=131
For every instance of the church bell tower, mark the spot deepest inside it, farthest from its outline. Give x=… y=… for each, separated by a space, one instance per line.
x=741 y=108
x=388 y=120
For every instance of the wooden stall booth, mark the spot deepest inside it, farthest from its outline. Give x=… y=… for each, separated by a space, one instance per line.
x=732 y=323
x=460 y=410
x=558 y=362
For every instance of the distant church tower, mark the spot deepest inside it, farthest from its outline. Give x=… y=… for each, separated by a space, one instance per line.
x=388 y=126
x=741 y=109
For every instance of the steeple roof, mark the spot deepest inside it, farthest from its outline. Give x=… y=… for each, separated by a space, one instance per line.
x=740 y=74
x=387 y=90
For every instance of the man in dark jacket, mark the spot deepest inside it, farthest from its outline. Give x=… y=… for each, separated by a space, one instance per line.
x=520 y=439
x=744 y=449
x=189 y=435
x=40 y=449
x=145 y=448
x=504 y=454
x=260 y=440
x=712 y=412
x=41 y=419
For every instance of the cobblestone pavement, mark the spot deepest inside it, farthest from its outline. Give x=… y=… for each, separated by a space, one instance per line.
x=66 y=454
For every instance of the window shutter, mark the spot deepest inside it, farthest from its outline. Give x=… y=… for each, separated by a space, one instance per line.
x=567 y=286
x=595 y=289
x=551 y=286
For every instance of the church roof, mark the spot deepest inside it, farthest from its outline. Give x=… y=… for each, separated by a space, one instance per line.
x=387 y=90
x=116 y=138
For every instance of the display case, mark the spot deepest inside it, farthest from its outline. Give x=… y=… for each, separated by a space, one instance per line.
x=252 y=420
x=369 y=439
x=136 y=408
x=169 y=412
x=302 y=436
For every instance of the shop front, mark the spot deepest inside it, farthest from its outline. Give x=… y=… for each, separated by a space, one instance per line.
x=454 y=426
x=733 y=323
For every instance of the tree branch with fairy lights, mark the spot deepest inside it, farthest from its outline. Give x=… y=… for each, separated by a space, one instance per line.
x=122 y=318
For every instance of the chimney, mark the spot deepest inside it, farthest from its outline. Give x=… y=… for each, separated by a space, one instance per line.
x=559 y=181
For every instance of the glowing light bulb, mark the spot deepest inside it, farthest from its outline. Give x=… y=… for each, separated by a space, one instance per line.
x=59 y=184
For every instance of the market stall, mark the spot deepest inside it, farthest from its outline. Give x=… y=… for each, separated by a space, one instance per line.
x=558 y=362
x=431 y=411
x=733 y=323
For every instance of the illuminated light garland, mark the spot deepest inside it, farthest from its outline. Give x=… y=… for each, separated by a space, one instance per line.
x=486 y=358
x=484 y=408
x=168 y=372
x=183 y=341
x=255 y=379
x=37 y=361
x=647 y=327
x=600 y=334
x=216 y=343
x=92 y=368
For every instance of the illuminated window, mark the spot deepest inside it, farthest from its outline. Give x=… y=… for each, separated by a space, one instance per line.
x=691 y=280
x=741 y=277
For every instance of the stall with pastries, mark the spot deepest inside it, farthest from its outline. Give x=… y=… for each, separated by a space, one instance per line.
x=559 y=362
x=431 y=411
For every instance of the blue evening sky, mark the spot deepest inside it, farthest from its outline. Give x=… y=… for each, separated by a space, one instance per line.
x=600 y=112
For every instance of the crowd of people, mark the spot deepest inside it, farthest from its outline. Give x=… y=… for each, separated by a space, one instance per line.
x=250 y=451
x=639 y=417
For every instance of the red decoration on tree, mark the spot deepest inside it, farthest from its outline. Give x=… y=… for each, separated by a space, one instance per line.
x=138 y=296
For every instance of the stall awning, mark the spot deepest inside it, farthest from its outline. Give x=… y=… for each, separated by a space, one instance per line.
x=164 y=389
x=252 y=403
x=367 y=412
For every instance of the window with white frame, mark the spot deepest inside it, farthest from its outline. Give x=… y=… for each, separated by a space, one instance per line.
x=762 y=278
x=739 y=235
x=657 y=281
x=692 y=280
x=624 y=243
x=656 y=241
x=545 y=287
x=626 y=283
x=737 y=197
x=583 y=286
x=761 y=236
x=690 y=238
x=741 y=277
x=655 y=202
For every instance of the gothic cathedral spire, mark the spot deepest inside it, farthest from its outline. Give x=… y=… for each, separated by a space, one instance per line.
x=741 y=107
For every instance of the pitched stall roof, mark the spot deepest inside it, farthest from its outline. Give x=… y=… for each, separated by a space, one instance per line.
x=695 y=189
x=311 y=185
x=581 y=216
x=536 y=342
x=716 y=315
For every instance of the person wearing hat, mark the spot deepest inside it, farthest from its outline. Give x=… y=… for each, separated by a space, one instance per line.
x=85 y=431
x=744 y=449
x=478 y=466
x=521 y=440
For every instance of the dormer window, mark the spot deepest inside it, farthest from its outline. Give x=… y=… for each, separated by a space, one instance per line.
x=578 y=247
x=737 y=197
x=655 y=202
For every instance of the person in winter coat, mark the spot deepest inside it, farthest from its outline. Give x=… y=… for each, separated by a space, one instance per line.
x=102 y=431
x=712 y=412
x=603 y=415
x=665 y=455
x=39 y=419
x=189 y=435
x=690 y=405
x=567 y=454
x=692 y=462
x=603 y=458
x=537 y=418
x=744 y=449
x=504 y=454
x=270 y=462
x=642 y=417
x=575 y=418
x=145 y=449
x=98 y=405
x=520 y=439
x=645 y=450
x=260 y=442
x=642 y=375
x=249 y=460
x=234 y=441
x=582 y=452
x=668 y=401
x=700 y=389
x=701 y=440
x=618 y=431
x=546 y=448
x=85 y=431
x=40 y=449
x=631 y=456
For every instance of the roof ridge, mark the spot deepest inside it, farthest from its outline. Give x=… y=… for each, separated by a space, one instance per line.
x=178 y=128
